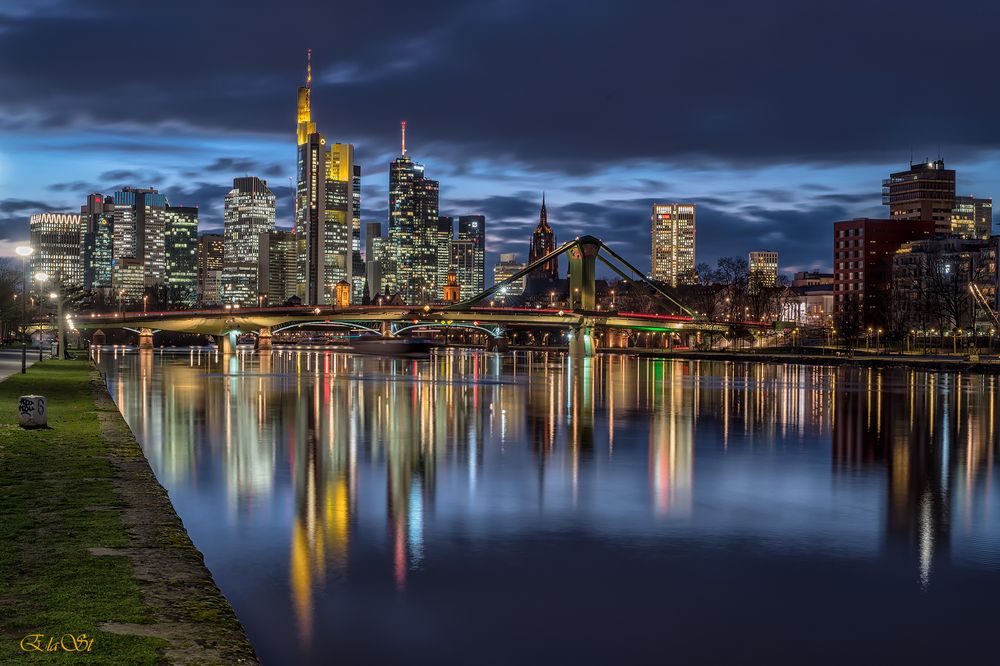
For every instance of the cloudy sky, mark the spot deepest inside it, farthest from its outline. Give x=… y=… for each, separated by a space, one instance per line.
x=776 y=118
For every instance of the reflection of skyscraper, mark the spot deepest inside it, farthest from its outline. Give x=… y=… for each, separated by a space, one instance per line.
x=671 y=439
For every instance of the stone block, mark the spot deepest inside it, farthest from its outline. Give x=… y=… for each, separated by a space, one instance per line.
x=33 y=411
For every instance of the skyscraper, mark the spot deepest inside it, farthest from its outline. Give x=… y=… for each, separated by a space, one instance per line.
x=473 y=229
x=463 y=266
x=96 y=227
x=543 y=241
x=442 y=246
x=972 y=217
x=181 y=253
x=327 y=208
x=211 y=249
x=506 y=267
x=926 y=191
x=673 y=236
x=276 y=267
x=56 y=239
x=411 y=262
x=249 y=212
x=140 y=219
x=763 y=269
x=374 y=249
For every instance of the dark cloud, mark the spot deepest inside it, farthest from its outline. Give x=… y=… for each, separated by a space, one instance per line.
x=233 y=165
x=24 y=206
x=744 y=82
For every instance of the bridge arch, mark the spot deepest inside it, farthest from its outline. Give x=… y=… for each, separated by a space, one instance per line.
x=328 y=324
x=424 y=324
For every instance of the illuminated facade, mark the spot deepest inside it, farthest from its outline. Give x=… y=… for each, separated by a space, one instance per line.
x=410 y=267
x=374 y=248
x=926 y=191
x=505 y=268
x=181 y=253
x=327 y=209
x=249 y=212
x=543 y=241
x=972 y=217
x=96 y=228
x=211 y=248
x=276 y=267
x=56 y=239
x=442 y=246
x=472 y=228
x=763 y=269
x=673 y=247
x=463 y=265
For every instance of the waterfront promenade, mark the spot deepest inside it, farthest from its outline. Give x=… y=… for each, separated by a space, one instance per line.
x=93 y=557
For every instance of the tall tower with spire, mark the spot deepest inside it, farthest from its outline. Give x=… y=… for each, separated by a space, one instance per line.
x=543 y=241
x=327 y=209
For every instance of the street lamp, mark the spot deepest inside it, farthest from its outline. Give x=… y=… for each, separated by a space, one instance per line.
x=24 y=251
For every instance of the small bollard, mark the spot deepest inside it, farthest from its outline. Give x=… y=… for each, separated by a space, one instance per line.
x=33 y=411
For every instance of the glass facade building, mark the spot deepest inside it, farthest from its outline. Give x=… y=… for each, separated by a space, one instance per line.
x=249 y=212
x=56 y=240
x=673 y=243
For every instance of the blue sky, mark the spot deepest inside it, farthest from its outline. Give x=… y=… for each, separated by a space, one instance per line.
x=776 y=120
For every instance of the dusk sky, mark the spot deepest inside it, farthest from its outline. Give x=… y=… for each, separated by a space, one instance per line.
x=776 y=121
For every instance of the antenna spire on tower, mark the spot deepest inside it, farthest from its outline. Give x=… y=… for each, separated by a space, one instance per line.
x=403 y=138
x=309 y=70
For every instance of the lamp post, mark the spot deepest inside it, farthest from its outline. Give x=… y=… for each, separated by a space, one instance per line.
x=41 y=278
x=24 y=251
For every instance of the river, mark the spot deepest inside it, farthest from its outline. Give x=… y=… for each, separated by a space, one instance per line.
x=475 y=508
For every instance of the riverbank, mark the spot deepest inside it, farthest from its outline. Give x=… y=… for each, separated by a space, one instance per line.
x=90 y=543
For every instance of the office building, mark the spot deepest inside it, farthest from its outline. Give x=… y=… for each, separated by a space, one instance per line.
x=96 y=228
x=277 y=262
x=410 y=268
x=327 y=208
x=673 y=243
x=139 y=233
x=543 y=241
x=472 y=228
x=56 y=239
x=972 y=217
x=249 y=212
x=211 y=250
x=374 y=248
x=181 y=256
x=862 y=266
x=507 y=267
x=926 y=191
x=763 y=269
x=463 y=265
x=445 y=235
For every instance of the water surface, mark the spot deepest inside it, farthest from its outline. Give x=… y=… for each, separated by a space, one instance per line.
x=487 y=509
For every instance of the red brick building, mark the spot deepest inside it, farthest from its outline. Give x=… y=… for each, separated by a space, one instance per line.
x=863 y=249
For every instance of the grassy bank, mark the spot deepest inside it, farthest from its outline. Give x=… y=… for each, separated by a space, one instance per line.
x=83 y=519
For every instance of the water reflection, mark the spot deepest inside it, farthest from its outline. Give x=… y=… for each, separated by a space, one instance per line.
x=369 y=465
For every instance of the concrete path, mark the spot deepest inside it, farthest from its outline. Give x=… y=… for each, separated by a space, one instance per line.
x=10 y=361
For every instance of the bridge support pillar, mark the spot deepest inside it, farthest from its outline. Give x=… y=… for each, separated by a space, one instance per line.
x=500 y=344
x=386 y=329
x=581 y=274
x=227 y=342
x=581 y=342
x=145 y=338
x=264 y=340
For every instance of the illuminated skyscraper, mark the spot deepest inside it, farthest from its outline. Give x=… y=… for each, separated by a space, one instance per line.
x=96 y=225
x=140 y=223
x=972 y=217
x=763 y=269
x=411 y=262
x=472 y=228
x=543 y=241
x=673 y=236
x=374 y=249
x=442 y=246
x=181 y=255
x=926 y=191
x=211 y=248
x=248 y=213
x=56 y=239
x=276 y=266
x=327 y=208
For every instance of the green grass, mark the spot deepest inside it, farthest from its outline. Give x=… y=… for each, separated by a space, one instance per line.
x=50 y=482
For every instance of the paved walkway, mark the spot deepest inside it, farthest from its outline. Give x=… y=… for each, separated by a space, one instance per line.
x=10 y=361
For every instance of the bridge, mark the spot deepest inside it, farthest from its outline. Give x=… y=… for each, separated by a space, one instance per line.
x=579 y=319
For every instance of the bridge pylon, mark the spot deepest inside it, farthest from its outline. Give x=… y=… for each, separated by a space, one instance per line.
x=581 y=342
x=582 y=257
x=145 y=338
x=264 y=339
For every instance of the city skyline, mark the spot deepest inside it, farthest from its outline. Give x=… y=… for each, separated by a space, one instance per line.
x=780 y=183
